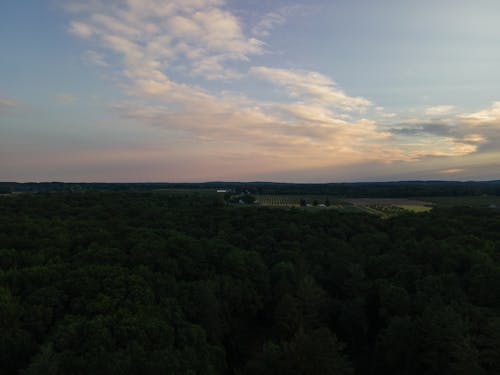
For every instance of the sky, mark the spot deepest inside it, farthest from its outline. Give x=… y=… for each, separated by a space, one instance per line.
x=249 y=90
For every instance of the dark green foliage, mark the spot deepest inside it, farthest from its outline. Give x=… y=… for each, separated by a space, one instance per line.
x=315 y=352
x=149 y=283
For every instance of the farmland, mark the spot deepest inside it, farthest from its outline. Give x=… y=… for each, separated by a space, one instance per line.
x=481 y=201
x=375 y=206
x=294 y=200
x=382 y=207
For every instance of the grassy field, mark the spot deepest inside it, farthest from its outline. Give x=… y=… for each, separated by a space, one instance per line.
x=482 y=201
x=415 y=208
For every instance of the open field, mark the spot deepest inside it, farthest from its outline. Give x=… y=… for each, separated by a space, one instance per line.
x=379 y=207
x=383 y=207
x=294 y=200
x=482 y=201
x=387 y=207
x=415 y=208
x=388 y=202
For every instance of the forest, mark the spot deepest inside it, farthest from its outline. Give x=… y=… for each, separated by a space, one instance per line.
x=139 y=281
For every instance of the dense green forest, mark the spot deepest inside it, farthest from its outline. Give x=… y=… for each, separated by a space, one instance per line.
x=141 y=282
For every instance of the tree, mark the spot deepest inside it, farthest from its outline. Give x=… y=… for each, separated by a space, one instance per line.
x=247 y=198
x=309 y=353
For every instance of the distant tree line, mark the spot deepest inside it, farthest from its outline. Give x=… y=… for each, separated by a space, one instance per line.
x=353 y=190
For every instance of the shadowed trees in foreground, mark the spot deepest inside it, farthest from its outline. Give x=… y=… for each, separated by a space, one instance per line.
x=148 y=283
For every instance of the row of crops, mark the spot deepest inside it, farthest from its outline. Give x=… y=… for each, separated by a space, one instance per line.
x=294 y=200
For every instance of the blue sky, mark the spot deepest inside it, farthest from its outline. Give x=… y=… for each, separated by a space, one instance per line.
x=197 y=90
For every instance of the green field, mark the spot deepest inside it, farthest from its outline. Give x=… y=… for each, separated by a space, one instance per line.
x=415 y=208
x=482 y=201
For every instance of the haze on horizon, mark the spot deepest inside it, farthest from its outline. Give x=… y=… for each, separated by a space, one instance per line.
x=197 y=90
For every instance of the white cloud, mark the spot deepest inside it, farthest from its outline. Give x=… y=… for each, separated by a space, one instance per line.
x=199 y=34
x=381 y=113
x=303 y=135
x=451 y=135
x=312 y=86
x=267 y=23
x=278 y=17
x=388 y=115
x=491 y=114
x=319 y=126
x=439 y=110
x=81 y=29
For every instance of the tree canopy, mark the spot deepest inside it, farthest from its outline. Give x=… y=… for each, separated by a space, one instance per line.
x=149 y=283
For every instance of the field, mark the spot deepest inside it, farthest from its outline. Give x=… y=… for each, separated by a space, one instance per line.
x=387 y=207
x=482 y=201
x=388 y=202
x=415 y=208
x=379 y=207
x=294 y=200
x=382 y=207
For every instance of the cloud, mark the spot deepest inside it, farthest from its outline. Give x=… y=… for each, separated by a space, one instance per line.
x=452 y=171
x=488 y=115
x=439 y=110
x=267 y=23
x=7 y=104
x=452 y=135
x=149 y=39
x=312 y=86
x=95 y=58
x=278 y=136
x=279 y=17
x=380 y=113
x=199 y=34
x=155 y=47
x=422 y=128
x=81 y=29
